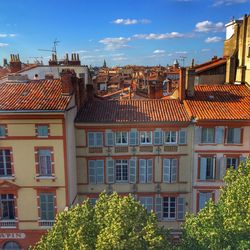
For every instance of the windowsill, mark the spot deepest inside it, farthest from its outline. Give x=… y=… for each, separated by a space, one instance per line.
x=207 y=144
x=8 y=177
x=121 y=145
x=169 y=219
x=209 y=180
x=146 y=144
x=42 y=136
x=45 y=177
x=122 y=182
x=8 y=223
x=171 y=144
x=3 y=137
x=233 y=144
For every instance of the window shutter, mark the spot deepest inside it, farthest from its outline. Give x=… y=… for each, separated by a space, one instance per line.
x=166 y=170
x=99 y=139
x=219 y=135
x=100 y=171
x=133 y=137
x=92 y=172
x=197 y=133
x=174 y=170
x=180 y=208
x=132 y=170
x=158 y=137
x=237 y=135
x=109 y=139
x=214 y=164
x=183 y=136
x=202 y=200
x=91 y=139
x=150 y=171
x=243 y=159
x=203 y=168
x=143 y=170
x=110 y=170
x=223 y=166
x=158 y=207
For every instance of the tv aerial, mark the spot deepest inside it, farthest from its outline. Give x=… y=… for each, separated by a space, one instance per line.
x=182 y=58
x=53 y=50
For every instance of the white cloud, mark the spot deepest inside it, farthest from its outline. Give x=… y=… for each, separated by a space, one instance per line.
x=208 y=26
x=3 y=44
x=114 y=43
x=205 y=50
x=214 y=39
x=3 y=35
x=153 y=36
x=80 y=51
x=228 y=2
x=12 y=35
x=159 y=51
x=7 y=35
x=119 y=58
x=181 y=52
x=129 y=21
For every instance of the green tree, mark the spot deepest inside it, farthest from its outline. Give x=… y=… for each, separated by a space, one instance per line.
x=115 y=222
x=226 y=224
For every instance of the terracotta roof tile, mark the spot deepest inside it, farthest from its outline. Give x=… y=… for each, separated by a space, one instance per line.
x=129 y=111
x=224 y=102
x=33 y=95
x=211 y=65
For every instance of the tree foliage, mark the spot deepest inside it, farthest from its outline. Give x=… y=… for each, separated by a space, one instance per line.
x=226 y=224
x=115 y=222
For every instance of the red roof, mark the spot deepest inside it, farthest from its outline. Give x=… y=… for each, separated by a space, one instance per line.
x=223 y=102
x=33 y=95
x=130 y=111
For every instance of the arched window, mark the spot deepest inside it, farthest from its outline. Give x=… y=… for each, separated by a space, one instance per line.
x=11 y=245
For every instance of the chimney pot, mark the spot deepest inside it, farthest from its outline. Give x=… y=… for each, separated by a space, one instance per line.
x=67 y=83
x=15 y=63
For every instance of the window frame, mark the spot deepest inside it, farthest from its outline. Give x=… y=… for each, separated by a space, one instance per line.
x=95 y=133
x=147 y=204
x=170 y=136
x=147 y=170
x=6 y=175
x=213 y=167
x=198 y=198
x=120 y=133
x=233 y=142
x=40 y=206
x=7 y=199
x=122 y=163
x=42 y=125
x=147 y=134
x=206 y=141
x=231 y=165
x=96 y=174
x=168 y=217
x=3 y=127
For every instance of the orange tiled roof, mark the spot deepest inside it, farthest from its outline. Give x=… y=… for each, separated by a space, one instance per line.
x=223 y=102
x=33 y=95
x=130 y=111
x=210 y=65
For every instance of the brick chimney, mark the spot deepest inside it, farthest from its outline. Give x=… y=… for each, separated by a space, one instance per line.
x=181 y=89
x=190 y=79
x=67 y=82
x=53 y=60
x=75 y=60
x=15 y=63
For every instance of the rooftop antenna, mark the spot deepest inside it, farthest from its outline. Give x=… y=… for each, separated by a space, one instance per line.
x=182 y=58
x=55 y=43
x=36 y=59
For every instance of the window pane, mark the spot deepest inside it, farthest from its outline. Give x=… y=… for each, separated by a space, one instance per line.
x=42 y=130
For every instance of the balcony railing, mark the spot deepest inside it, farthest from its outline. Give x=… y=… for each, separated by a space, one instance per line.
x=8 y=223
x=46 y=223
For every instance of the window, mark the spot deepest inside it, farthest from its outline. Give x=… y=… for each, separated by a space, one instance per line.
x=93 y=201
x=170 y=137
x=147 y=202
x=11 y=245
x=146 y=170
x=121 y=170
x=45 y=163
x=5 y=162
x=203 y=199
x=121 y=138
x=96 y=171
x=207 y=168
x=146 y=137
x=207 y=135
x=95 y=139
x=3 y=131
x=7 y=207
x=169 y=170
x=42 y=130
x=231 y=162
x=234 y=135
x=47 y=208
x=169 y=208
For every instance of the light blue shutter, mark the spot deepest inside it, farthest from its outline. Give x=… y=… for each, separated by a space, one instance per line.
x=219 y=135
x=91 y=139
x=166 y=170
x=183 y=136
x=202 y=200
x=237 y=134
x=133 y=137
x=98 y=139
x=109 y=139
x=2 y=131
x=132 y=170
x=222 y=167
x=92 y=172
x=143 y=165
x=180 y=208
x=158 y=137
x=203 y=168
x=110 y=170
x=150 y=170
x=174 y=170
x=100 y=171
x=243 y=159
x=158 y=207
x=197 y=134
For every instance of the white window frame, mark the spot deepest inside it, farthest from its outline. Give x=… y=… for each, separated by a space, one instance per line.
x=231 y=159
x=171 y=132
x=48 y=162
x=206 y=130
x=146 y=170
x=147 y=136
x=122 y=164
x=6 y=165
x=171 y=170
x=169 y=212
x=121 y=134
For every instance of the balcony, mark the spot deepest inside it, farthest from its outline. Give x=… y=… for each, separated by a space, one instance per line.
x=95 y=150
x=46 y=223
x=8 y=223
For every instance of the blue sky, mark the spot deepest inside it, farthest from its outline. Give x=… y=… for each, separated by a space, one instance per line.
x=142 y=32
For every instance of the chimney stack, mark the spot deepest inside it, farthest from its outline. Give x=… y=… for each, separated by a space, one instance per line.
x=15 y=63
x=67 y=82
x=181 y=88
x=190 y=79
x=53 y=60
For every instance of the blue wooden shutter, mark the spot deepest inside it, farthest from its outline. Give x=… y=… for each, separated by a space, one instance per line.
x=109 y=139
x=110 y=170
x=132 y=170
x=133 y=137
x=219 y=135
x=91 y=139
x=166 y=170
x=143 y=166
x=99 y=139
x=180 y=208
x=92 y=171
x=173 y=170
x=158 y=137
x=158 y=207
x=149 y=170
x=197 y=134
x=183 y=136
x=237 y=135
x=203 y=168
x=99 y=171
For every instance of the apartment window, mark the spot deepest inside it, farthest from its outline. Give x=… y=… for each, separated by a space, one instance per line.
x=146 y=170
x=11 y=245
x=234 y=135
x=147 y=202
x=169 y=170
x=170 y=137
x=121 y=138
x=203 y=199
x=146 y=137
x=169 y=208
x=42 y=130
x=93 y=201
x=231 y=162
x=96 y=171
x=45 y=162
x=3 y=131
x=95 y=139
x=7 y=207
x=207 y=135
x=121 y=170
x=207 y=168
x=5 y=162
x=47 y=206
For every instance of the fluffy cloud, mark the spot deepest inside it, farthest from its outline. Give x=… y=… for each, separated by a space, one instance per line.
x=7 y=35
x=208 y=26
x=129 y=21
x=159 y=51
x=228 y=2
x=153 y=36
x=181 y=52
x=3 y=44
x=114 y=43
x=214 y=39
